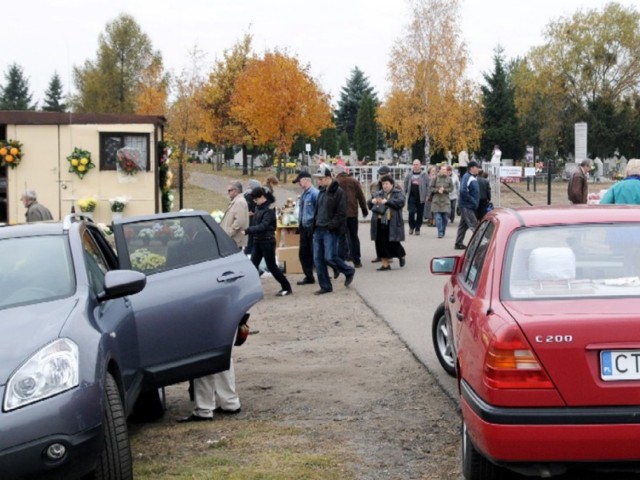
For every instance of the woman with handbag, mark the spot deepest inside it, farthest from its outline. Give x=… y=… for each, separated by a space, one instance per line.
x=387 y=224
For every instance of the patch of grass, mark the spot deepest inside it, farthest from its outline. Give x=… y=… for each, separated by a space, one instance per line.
x=237 y=450
x=259 y=174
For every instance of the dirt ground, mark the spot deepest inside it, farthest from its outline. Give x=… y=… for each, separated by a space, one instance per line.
x=328 y=366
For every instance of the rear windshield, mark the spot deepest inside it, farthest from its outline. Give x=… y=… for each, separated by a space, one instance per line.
x=573 y=261
x=35 y=269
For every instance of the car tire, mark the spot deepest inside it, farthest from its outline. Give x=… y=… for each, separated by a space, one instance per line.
x=474 y=465
x=149 y=407
x=441 y=337
x=114 y=462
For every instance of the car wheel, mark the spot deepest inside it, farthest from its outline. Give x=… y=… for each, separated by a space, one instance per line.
x=149 y=406
x=441 y=336
x=115 y=460
x=474 y=465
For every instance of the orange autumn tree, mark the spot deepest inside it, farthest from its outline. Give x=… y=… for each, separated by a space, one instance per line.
x=277 y=100
x=152 y=91
x=221 y=127
x=430 y=98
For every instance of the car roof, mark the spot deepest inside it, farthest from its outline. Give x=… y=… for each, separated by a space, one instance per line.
x=568 y=214
x=32 y=229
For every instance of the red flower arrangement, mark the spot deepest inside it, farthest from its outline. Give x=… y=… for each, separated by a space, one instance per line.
x=128 y=160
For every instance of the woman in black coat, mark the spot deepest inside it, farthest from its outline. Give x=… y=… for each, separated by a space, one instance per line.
x=387 y=224
x=264 y=238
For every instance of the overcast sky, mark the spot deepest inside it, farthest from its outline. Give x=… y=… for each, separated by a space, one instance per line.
x=332 y=36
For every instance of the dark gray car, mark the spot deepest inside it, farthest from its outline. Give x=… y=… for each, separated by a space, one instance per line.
x=84 y=342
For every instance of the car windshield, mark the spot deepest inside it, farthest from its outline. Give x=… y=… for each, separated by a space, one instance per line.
x=594 y=260
x=35 y=269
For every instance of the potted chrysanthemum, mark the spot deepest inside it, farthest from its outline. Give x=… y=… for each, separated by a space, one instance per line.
x=117 y=206
x=87 y=206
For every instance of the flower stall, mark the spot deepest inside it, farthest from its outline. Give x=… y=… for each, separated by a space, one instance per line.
x=66 y=157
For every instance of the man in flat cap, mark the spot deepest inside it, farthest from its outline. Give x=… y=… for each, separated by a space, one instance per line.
x=306 y=213
x=329 y=224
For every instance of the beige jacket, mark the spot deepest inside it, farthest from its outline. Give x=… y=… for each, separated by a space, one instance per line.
x=236 y=219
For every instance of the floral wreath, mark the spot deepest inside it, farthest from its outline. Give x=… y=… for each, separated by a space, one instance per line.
x=128 y=160
x=10 y=153
x=80 y=162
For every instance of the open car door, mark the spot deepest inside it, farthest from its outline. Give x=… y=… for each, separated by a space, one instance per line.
x=199 y=286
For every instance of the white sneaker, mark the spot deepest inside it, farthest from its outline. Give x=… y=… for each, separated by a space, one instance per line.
x=283 y=293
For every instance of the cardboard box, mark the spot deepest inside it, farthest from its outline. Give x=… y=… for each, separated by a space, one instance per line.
x=290 y=238
x=289 y=257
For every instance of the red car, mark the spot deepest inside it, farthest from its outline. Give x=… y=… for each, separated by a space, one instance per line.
x=541 y=326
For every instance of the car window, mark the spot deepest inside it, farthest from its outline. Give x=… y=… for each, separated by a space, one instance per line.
x=475 y=255
x=157 y=246
x=35 y=269
x=97 y=265
x=573 y=261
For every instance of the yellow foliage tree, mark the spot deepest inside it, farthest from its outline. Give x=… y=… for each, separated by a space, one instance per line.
x=186 y=119
x=221 y=127
x=152 y=91
x=277 y=100
x=430 y=97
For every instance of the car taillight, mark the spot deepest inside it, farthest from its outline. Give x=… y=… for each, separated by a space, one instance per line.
x=511 y=363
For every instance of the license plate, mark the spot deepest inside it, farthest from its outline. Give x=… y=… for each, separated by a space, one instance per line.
x=620 y=365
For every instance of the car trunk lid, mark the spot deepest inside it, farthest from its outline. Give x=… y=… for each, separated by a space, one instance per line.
x=585 y=348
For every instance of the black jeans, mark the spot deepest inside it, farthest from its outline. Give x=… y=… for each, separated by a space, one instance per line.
x=349 y=243
x=267 y=249
x=305 y=252
x=415 y=209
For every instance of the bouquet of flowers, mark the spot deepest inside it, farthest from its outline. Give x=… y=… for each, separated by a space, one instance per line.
x=10 y=153
x=146 y=234
x=145 y=261
x=118 y=203
x=168 y=231
x=128 y=160
x=217 y=215
x=80 y=162
x=87 y=204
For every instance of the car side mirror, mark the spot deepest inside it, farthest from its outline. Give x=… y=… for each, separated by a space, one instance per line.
x=443 y=265
x=120 y=283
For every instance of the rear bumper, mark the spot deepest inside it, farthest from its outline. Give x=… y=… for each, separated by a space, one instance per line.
x=565 y=435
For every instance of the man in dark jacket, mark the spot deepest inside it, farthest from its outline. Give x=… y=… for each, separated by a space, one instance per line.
x=329 y=224
x=578 y=188
x=416 y=189
x=350 y=243
x=484 y=189
x=468 y=201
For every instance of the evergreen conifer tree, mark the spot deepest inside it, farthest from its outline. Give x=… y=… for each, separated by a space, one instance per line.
x=14 y=95
x=350 y=97
x=499 y=113
x=343 y=144
x=366 y=129
x=329 y=141
x=53 y=96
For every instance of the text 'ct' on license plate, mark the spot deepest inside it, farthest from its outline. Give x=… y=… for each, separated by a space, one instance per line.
x=620 y=365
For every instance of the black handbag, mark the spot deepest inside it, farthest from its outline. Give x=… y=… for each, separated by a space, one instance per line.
x=379 y=208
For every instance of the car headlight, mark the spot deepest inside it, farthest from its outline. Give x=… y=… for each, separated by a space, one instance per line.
x=50 y=371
